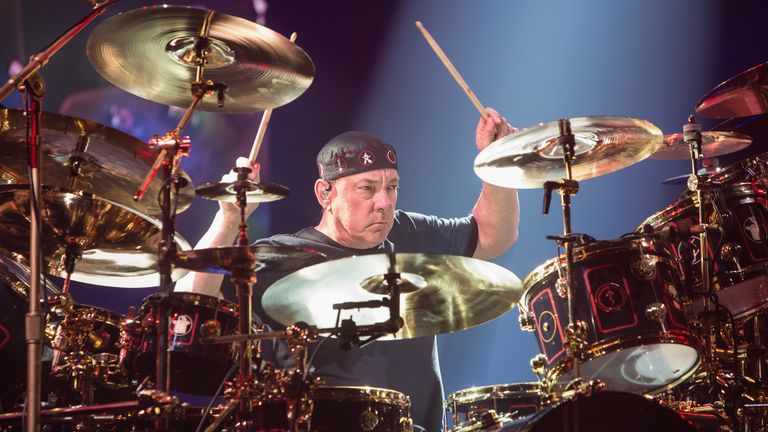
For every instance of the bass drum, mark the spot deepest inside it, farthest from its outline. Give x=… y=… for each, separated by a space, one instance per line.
x=603 y=412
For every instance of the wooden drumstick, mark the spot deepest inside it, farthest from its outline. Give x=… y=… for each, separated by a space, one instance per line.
x=263 y=125
x=444 y=58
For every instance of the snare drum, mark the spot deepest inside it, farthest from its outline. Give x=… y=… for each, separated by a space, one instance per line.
x=628 y=293
x=740 y=256
x=195 y=367
x=348 y=409
x=509 y=401
x=337 y=409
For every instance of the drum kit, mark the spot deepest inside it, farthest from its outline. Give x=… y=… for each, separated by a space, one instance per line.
x=662 y=328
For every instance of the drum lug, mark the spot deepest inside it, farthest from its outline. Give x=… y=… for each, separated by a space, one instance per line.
x=406 y=424
x=538 y=365
x=368 y=420
x=527 y=321
x=576 y=339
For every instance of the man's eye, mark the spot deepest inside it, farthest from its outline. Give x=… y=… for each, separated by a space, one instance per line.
x=394 y=187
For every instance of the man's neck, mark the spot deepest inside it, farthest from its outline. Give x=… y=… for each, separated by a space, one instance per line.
x=339 y=235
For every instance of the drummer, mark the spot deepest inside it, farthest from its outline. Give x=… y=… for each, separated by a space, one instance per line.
x=357 y=190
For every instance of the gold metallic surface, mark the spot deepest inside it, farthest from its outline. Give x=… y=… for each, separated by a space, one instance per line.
x=528 y=158
x=743 y=95
x=255 y=192
x=119 y=245
x=114 y=162
x=150 y=52
x=447 y=293
x=713 y=144
x=226 y=259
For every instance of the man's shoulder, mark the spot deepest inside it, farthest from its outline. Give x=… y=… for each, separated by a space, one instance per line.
x=298 y=238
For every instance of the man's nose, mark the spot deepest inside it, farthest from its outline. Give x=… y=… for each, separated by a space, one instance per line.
x=384 y=200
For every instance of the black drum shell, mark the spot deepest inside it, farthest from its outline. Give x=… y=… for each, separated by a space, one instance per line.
x=513 y=400
x=196 y=368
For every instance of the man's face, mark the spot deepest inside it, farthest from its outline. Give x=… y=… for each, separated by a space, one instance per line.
x=363 y=207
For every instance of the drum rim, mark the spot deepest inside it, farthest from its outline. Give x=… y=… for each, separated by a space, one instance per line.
x=496 y=391
x=582 y=253
x=194 y=299
x=615 y=344
x=352 y=393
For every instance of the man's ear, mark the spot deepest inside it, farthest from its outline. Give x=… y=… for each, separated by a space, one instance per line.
x=322 y=192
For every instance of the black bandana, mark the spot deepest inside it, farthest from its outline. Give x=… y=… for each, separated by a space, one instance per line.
x=353 y=153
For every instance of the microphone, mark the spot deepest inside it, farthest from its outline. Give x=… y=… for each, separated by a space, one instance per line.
x=672 y=231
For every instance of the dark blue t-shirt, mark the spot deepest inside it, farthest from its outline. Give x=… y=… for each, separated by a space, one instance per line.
x=409 y=366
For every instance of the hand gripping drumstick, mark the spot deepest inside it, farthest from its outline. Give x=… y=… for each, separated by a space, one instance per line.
x=263 y=125
x=463 y=84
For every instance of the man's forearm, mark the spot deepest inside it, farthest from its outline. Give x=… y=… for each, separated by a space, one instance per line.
x=497 y=213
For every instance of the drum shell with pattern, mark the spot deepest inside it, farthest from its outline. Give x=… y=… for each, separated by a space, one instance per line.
x=511 y=400
x=618 y=284
x=195 y=367
x=740 y=255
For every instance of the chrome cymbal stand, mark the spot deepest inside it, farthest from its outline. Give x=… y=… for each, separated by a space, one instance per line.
x=172 y=147
x=576 y=330
x=29 y=78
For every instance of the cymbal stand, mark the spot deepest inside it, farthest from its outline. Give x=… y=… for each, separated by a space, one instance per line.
x=173 y=146
x=576 y=330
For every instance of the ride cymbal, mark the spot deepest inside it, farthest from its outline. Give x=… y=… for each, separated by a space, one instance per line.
x=113 y=163
x=713 y=144
x=256 y=192
x=440 y=293
x=743 y=95
x=151 y=52
x=119 y=246
x=532 y=156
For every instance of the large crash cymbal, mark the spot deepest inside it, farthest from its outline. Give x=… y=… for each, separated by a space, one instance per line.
x=440 y=293
x=713 y=144
x=150 y=52
x=119 y=245
x=743 y=95
x=227 y=259
x=530 y=157
x=114 y=166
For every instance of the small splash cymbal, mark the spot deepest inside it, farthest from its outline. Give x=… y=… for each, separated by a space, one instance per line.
x=440 y=293
x=256 y=192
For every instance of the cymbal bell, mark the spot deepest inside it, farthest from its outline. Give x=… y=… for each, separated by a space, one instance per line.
x=742 y=95
x=440 y=293
x=227 y=259
x=150 y=52
x=713 y=144
x=119 y=245
x=603 y=144
x=114 y=163
x=256 y=192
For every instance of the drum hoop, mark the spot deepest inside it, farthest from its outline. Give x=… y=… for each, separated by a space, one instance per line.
x=361 y=393
x=498 y=391
x=616 y=344
x=550 y=266
x=195 y=299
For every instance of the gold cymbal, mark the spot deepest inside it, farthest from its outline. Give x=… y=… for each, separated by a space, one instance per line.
x=743 y=95
x=114 y=166
x=119 y=245
x=712 y=144
x=532 y=156
x=226 y=259
x=150 y=52
x=256 y=192
x=440 y=293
